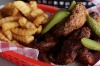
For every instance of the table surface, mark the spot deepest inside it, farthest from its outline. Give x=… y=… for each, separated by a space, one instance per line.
x=4 y=62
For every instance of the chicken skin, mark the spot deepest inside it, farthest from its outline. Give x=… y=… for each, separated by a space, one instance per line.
x=76 y=20
x=71 y=45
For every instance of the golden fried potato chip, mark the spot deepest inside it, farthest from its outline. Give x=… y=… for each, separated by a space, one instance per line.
x=9 y=25
x=21 y=31
x=24 y=39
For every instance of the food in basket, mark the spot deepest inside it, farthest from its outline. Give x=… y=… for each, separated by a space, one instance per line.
x=73 y=22
x=95 y=16
x=25 y=39
x=94 y=25
x=20 y=23
x=7 y=33
x=3 y=38
x=90 y=44
x=57 y=17
x=62 y=43
x=72 y=6
x=8 y=19
x=10 y=10
x=23 y=32
x=9 y=25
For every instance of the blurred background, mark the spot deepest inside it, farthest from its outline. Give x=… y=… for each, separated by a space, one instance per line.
x=2 y=2
x=56 y=3
x=62 y=3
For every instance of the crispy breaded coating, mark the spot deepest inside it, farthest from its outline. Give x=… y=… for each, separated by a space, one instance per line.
x=95 y=16
x=87 y=57
x=71 y=45
x=75 y=21
x=48 y=42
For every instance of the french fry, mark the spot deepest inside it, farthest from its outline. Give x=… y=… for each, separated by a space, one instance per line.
x=3 y=38
x=15 y=42
x=8 y=19
x=24 y=39
x=22 y=22
x=46 y=18
x=24 y=32
x=15 y=12
x=39 y=29
x=23 y=7
x=1 y=16
x=9 y=10
x=36 y=12
x=30 y=25
x=33 y=5
x=39 y=20
x=9 y=25
x=8 y=34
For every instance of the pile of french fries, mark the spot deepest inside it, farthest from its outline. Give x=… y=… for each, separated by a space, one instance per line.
x=20 y=21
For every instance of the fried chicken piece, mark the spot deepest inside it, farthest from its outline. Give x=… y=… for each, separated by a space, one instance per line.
x=95 y=16
x=87 y=57
x=71 y=45
x=48 y=42
x=43 y=57
x=76 y=20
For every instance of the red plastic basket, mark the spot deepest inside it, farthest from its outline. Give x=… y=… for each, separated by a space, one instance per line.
x=23 y=60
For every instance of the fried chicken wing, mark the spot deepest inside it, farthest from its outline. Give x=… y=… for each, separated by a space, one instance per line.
x=88 y=57
x=71 y=45
x=75 y=21
x=48 y=42
x=95 y=16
